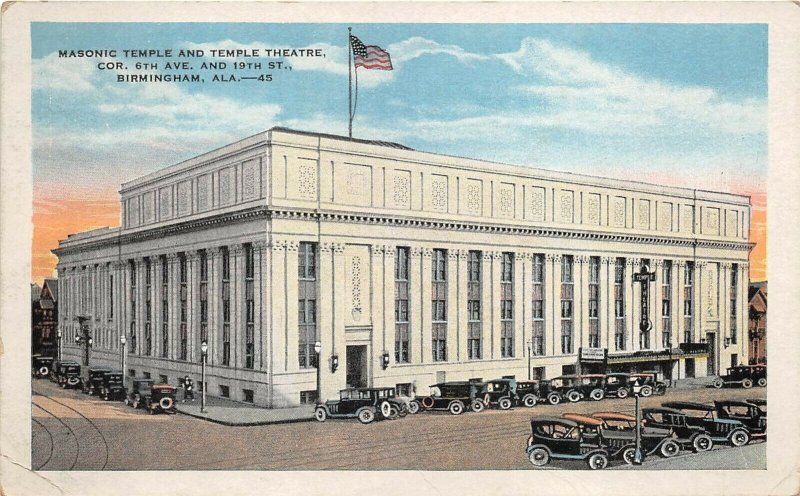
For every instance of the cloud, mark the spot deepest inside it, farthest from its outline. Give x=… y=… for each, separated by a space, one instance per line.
x=51 y=72
x=416 y=47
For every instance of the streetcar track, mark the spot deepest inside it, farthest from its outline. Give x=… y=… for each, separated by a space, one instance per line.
x=52 y=444
x=72 y=432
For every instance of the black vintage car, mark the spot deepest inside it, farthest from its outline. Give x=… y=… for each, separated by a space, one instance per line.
x=500 y=393
x=111 y=386
x=41 y=365
x=161 y=399
x=574 y=388
x=649 y=383
x=621 y=443
x=531 y=392
x=366 y=404
x=618 y=384
x=686 y=435
x=560 y=438
x=704 y=416
x=68 y=375
x=760 y=402
x=92 y=379
x=140 y=390
x=742 y=375
x=746 y=412
x=454 y=397
x=55 y=370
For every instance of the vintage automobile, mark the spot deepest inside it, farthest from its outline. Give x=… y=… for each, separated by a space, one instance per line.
x=574 y=388
x=531 y=392
x=41 y=365
x=161 y=399
x=760 y=402
x=111 y=386
x=704 y=416
x=140 y=389
x=92 y=379
x=68 y=375
x=621 y=442
x=564 y=439
x=649 y=383
x=454 y=397
x=500 y=393
x=742 y=375
x=55 y=370
x=617 y=384
x=746 y=412
x=366 y=404
x=686 y=435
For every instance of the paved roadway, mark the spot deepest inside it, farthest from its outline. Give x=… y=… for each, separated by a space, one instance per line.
x=72 y=431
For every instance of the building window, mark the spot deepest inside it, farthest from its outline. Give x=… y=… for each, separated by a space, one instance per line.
x=594 y=302
x=644 y=335
x=567 y=281
x=164 y=307
x=132 y=338
x=224 y=391
x=163 y=379
x=146 y=375
x=248 y=395
x=225 y=295
x=307 y=304
x=507 y=305
x=250 y=306
x=734 y=306
x=403 y=389
x=688 y=302
x=474 y=305
x=537 y=341
x=619 y=304
x=148 y=308
x=401 y=317
x=666 y=304
x=184 y=296
x=308 y=397
x=439 y=305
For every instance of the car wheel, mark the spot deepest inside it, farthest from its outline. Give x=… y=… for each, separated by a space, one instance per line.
x=105 y=398
x=628 y=455
x=597 y=461
x=529 y=400
x=539 y=457
x=166 y=403
x=44 y=371
x=554 y=398
x=718 y=383
x=747 y=383
x=597 y=394
x=135 y=404
x=427 y=401
x=413 y=407
x=366 y=416
x=762 y=382
x=661 y=390
x=385 y=409
x=127 y=402
x=504 y=403
x=456 y=407
x=321 y=414
x=394 y=413
x=622 y=393
x=702 y=442
x=477 y=406
x=740 y=437
x=402 y=410
x=574 y=396
x=647 y=391
x=669 y=449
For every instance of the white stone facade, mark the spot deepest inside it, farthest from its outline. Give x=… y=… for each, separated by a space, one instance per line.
x=257 y=203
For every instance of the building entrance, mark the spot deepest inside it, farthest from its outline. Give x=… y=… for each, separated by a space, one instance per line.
x=356 y=366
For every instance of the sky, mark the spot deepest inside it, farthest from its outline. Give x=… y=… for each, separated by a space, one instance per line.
x=682 y=105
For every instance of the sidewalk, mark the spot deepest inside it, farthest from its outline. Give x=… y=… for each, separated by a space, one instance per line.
x=233 y=413
x=693 y=383
x=750 y=457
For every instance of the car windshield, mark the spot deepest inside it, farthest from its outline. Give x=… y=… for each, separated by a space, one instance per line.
x=114 y=379
x=698 y=413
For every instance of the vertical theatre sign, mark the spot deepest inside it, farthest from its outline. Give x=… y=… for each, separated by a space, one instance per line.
x=644 y=277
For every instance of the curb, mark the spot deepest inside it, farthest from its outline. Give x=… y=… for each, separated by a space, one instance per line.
x=246 y=424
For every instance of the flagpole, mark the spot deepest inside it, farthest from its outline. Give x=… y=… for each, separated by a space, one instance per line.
x=349 y=82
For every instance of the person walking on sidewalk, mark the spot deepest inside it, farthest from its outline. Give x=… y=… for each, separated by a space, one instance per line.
x=188 y=389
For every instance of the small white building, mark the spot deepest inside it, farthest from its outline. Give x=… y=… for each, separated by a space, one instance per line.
x=410 y=268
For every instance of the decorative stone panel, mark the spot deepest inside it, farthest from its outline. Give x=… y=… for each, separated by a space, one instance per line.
x=665 y=216
x=731 y=223
x=165 y=203
x=203 y=192
x=399 y=189
x=591 y=210
x=250 y=179
x=618 y=211
x=184 y=198
x=643 y=214
x=357 y=285
x=353 y=184
x=133 y=212
x=711 y=221
x=307 y=180
x=566 y=203
x=148 y=207
x=711 y=290
x=438 y=193
x=687 y=218
x=226 y=186
x=506 y=200
x=473 y=197
x=537 y=208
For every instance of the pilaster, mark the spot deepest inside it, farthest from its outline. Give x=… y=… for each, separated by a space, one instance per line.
x=462 y=322
x=495 y=326
x=278 y=315
x=453 y=270
x=426 y=328
x=416 y=298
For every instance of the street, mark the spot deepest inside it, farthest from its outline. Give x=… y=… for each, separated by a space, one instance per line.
x=72 y=431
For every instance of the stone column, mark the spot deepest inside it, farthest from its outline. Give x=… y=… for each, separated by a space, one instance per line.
x=388 y=303
x=743 y=312
x=526 y=312
x=425 y=336
x=380 y=284
x=453 y=270
x=580 y=293
x=339 y=309
x=259 y=249
x=174 y=262
x=656 y=295
x=520 y=299
x=495 y=324
x=292 y=295
x=699 y=306
x=678 y=327
x=214 y=307
x=237 y=306
x=462 y=322
x=632 y=297
x=325 y=323
x=415 y=298
x=278 y=316
x=488 y=293
x=555 y=289
x=551 y=303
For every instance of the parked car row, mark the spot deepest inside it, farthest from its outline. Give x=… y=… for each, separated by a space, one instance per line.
x=744 y=376
x=666 y=430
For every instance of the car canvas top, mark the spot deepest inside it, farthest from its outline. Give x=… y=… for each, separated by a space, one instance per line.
x=663 y=409
x=614 y=416
x=687 y=405
x=747 y=403
x=582 y=419
x=551 y=420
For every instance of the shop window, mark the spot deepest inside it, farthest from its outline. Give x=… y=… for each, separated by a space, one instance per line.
x=224 y=391
x=248 y=395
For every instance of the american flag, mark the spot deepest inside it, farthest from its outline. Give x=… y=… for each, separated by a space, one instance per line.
x=370 y=56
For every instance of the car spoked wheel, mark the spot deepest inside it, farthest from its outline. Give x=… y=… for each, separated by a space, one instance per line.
x=386 y=409
x=402 y=410
x=44 y=371
x=574 y=396
x=366 y=416
x=718 y=383
x=539 y=457
x=477 y=406
x=166 y=403
x=413 y=407
x=456 y=407
x=740 y=438
x=622 y=393
x=669 y=449
x=747 y=383
x=529 y=400
x=504 y=403
x=702 y=443
x=394 y=413
x=597 y=394
x=628 y=455
x=427 y=401
x=597 y=461
x=762 y=382
x=647 y=391
x=554 y=398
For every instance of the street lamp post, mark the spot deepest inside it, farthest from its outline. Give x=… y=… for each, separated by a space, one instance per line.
x=530 y=349
x=317 y=350
x=58 y=344
x=204 y=354
x=637 y=456
x=122 y=341
x=84 y=337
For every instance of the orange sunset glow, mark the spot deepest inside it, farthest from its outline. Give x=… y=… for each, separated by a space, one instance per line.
x=54 y=217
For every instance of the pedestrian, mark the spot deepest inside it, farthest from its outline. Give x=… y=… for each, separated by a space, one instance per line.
x=188 y=389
